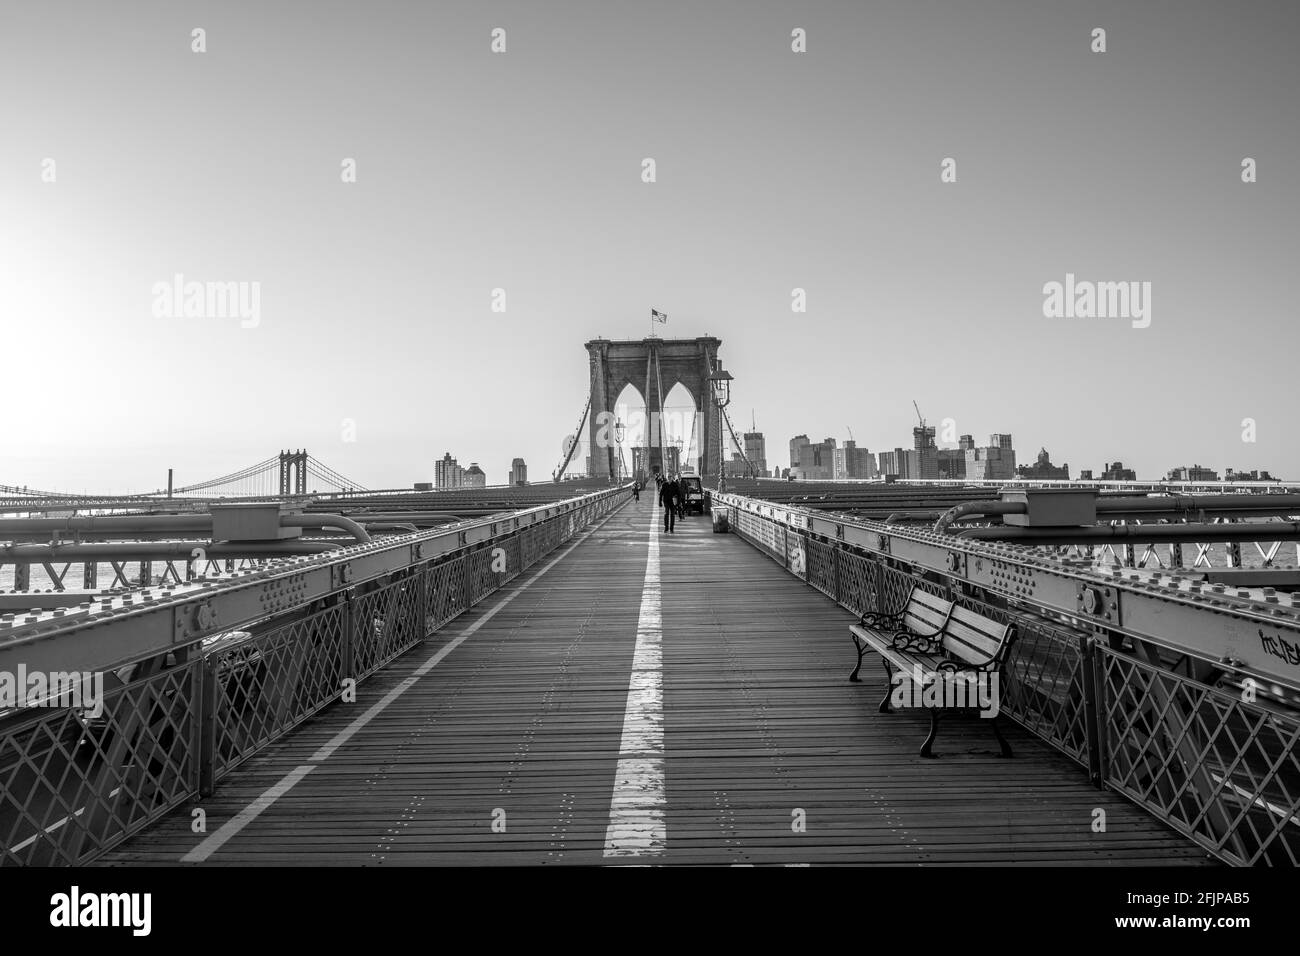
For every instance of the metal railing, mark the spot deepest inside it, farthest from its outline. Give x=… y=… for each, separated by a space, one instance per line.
x=1213 y=762
x=177 y=720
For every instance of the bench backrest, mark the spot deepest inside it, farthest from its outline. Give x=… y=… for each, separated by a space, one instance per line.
x=974 y=638
x=925 y=612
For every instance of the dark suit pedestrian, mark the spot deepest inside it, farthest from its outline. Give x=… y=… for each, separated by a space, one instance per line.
x=669 y=494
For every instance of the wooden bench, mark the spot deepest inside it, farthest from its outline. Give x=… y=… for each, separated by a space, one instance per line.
x=932 y=640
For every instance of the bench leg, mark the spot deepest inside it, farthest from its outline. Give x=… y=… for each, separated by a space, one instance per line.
x=926 y=747
x=889 y=687
x=997 y=732
x=859 y=647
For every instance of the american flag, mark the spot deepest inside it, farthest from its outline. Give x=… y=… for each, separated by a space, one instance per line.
x=657 y=316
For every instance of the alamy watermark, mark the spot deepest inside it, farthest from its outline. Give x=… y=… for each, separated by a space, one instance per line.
x=77 y=908
x=976 y=690
x=179 y=299
x=79 y=690
x=1073 y=299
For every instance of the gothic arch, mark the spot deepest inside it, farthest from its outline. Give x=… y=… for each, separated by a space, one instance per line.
x=653 y=367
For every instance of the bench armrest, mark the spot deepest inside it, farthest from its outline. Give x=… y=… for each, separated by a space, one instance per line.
x=917 y=643
x=965 y=667
x=881 y=621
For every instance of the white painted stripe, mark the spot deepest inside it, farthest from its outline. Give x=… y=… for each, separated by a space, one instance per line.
x=636 y=809
x=251 y=812
x=244 y=817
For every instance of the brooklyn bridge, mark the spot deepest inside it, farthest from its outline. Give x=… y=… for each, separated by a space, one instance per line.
x=323 y=673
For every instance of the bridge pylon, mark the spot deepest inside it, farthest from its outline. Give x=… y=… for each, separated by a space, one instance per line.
x=652 y=366
x=293 y=473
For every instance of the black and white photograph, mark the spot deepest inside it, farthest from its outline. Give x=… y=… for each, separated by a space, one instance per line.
x=838 y=452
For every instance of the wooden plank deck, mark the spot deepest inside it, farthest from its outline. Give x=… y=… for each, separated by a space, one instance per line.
x=760 y=725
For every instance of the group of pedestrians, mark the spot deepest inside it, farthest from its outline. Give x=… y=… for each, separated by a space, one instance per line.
x=671 y=496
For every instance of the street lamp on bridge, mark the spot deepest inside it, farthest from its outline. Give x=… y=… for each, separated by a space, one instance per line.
x=721 y=383
x=618 y=440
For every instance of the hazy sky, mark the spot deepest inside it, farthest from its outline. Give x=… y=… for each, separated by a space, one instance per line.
x=522 y=171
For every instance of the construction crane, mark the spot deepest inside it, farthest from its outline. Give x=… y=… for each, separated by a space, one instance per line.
x=851 y=438
x=919 y=416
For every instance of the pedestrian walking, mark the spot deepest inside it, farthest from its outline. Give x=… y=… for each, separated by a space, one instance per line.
x=669 y=494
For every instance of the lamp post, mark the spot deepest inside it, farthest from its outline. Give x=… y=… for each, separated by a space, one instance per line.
x=721 y=382
x=618 y=440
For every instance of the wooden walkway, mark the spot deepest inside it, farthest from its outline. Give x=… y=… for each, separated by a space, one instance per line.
x=520 y=725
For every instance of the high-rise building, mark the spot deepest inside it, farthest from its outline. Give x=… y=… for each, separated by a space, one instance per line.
x=854 y=462
x=927 y=454
x=817 y=462
x=952 y=463
x=1117 y=472
x=474 y=477
x=756 y=452
x=994 y=462
x=1043 y=469
x=797 y=444
x=896 y=463
x=447 y=473
x=518 y=472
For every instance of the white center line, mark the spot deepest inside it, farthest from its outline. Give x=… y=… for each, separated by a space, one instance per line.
x=235 y=824
x=215 y=841
x=636 y=810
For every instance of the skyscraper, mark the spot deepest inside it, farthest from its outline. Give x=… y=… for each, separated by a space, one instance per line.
x=817 y=461
x=518 y=472
x=447 y=473
x=927 y=454
x=994 y=462
x=797 y=444
x=756 y=452
x=854 y=462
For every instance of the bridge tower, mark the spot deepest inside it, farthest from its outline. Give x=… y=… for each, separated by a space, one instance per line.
x=652 y=366
x=293 y=473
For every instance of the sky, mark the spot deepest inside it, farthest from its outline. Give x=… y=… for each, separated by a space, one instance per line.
x=376 y=345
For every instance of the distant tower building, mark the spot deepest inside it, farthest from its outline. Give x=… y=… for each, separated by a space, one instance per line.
x=994 y=462
x=797 y=444
x=518 y=472
x=448 y=474
x=756 y=452
x=927 y=454
x=817 y=462
x=841 y=457
x=952 y=463
x=854 y=462
x=896 y=463
x=474 y=477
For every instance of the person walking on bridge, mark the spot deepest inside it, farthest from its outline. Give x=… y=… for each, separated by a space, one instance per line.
x=668 y=496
